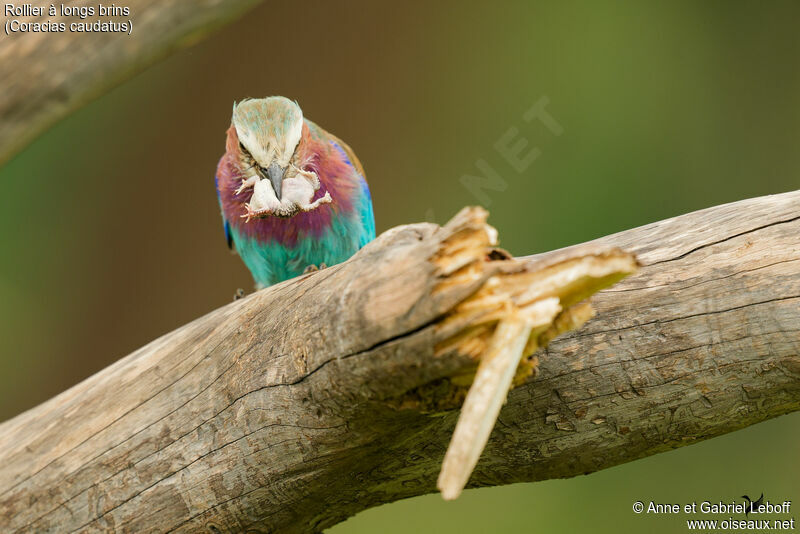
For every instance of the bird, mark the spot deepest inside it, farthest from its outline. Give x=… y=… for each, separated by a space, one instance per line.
x=293 y=197
x=751 y=505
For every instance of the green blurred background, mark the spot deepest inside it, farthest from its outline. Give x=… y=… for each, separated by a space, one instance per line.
x=112 y=234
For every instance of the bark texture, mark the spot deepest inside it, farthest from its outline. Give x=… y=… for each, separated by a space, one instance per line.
x=305 y=403
x=45 y=76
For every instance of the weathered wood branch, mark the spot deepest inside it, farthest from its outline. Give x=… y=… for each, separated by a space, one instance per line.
x=44 y=75
x=309 y=401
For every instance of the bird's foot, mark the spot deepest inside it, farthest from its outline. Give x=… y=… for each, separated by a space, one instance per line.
x=238 y=294
x=314 y=268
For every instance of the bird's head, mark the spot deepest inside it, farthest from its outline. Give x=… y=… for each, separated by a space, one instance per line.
x=269 y=132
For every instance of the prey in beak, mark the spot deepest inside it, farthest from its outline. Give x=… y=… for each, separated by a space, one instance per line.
x=283 y=192
x=269 y=135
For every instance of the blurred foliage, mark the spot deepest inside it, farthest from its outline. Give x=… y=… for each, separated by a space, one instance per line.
x=112 y=235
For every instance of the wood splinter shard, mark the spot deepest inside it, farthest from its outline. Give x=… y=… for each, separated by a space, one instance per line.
x=530 y=303
x=486 y=396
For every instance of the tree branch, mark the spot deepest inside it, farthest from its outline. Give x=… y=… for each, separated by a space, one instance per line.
x=309 y=401
x=45 y=76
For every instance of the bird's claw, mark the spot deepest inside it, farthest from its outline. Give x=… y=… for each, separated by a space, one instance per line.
x=238 y=294
x=314 y=268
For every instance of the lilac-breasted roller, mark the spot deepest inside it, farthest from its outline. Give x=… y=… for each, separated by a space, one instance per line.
x=292 y=195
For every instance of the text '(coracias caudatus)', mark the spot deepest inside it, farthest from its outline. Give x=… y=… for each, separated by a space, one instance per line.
x=292 y=195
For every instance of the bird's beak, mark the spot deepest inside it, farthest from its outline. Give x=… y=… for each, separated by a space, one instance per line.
x=276 y=173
